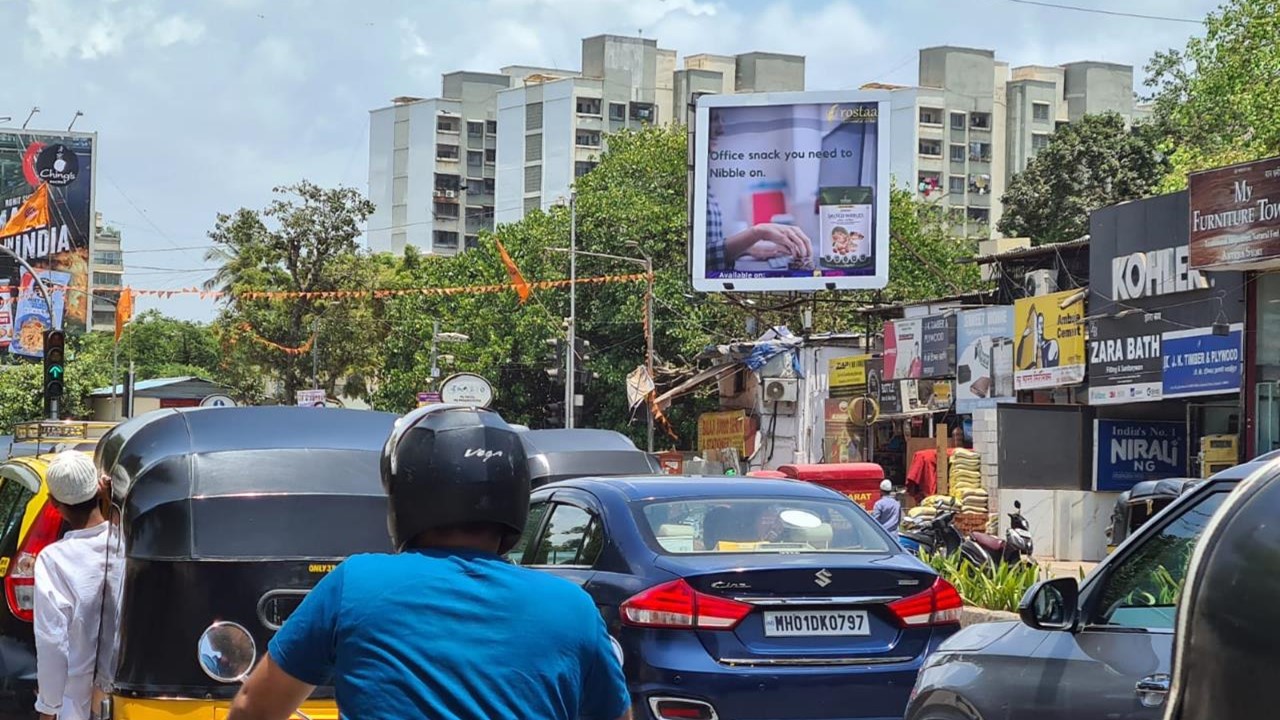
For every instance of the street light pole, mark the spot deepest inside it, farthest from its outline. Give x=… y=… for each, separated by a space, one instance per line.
x=570 y=359
x=435 y=369
x=315 y=353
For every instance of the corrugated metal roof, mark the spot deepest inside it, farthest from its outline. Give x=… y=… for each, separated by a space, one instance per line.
x=152 y=384
x=1031 y=252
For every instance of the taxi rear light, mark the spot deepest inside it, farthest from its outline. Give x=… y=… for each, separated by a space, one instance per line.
x=677 y=605
x=19 y=583
x=939 y=605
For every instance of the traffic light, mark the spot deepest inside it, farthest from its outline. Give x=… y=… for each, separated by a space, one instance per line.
x=55 y=367
x=553 y=416
x=554 y=359
x=581 y=369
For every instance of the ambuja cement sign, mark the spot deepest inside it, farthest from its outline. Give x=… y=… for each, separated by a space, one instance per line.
x=1154 y=273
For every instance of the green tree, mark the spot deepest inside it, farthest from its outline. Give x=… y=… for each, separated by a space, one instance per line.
x=924 y=254
x=1215 y=101
x=88 y=368
x=161 y=346
x=1089 y=164
x=304 y=241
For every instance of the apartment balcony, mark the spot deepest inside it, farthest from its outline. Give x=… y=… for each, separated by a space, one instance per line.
x=590 y=122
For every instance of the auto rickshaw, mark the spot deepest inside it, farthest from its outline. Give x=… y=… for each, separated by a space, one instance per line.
x=228 y=517
x=1140 y=503
x=582 y=452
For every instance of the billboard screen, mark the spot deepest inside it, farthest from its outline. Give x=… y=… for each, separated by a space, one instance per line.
x=791 y=192
x=47 y=217
x=984 y=363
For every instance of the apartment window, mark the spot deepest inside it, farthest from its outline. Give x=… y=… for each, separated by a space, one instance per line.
x=1040 y=112
x=448 y=182
x=581 y=168
x=475 y=158
x=980 y=151
x=472 y=242
x=533 y=148
x=533 y=178
x=642 y=112
x=445 y=239
x=445 y=211
x=979 y=184
x=1059 y=125
x=108 y=257
x=588 y=106
x=957 y=121
x=929 y=183
x=532 y=204
x=475 y=129
x=475 y=187
x=400 y=162
x=1039 y=141
x=533 y=116
x=930 y=116
x=618 y=112
x=490 y=156
x=980 y=121
x=957 y=153
x=491 y=127
x=490 y=186
x=588 y=138
x=979 y=215
x=447 y=152
x=932 y=148
x=955 y=185
x=447 y=124
x=101 y=279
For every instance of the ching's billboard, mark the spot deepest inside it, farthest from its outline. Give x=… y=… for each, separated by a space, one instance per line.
x=791 y=192
x=46 y=217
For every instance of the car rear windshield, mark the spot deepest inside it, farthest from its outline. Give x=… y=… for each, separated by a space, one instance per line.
x=761 y=525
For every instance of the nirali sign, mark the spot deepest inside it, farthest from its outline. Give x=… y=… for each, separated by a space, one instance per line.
x=1154 y=273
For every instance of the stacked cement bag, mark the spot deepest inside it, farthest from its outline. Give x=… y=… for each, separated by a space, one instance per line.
x=966 y=482
x=929 y=508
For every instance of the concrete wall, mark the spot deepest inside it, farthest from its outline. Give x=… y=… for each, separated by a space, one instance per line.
x=559 y=112
x=664 y=84
x=1021 y=125
x=690 y=82
x=381 y=155
x=105 y=410
x=477 y=92
x=726 y=65
x=769 y=72
x=1094 y=87
x=509 y=181
x=904 y=115
x=1066 y=525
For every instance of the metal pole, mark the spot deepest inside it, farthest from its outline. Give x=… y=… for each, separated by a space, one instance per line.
x=315 y=353
x=435 y=369
x=648 y=325
x=115 y=375
x=570 y=354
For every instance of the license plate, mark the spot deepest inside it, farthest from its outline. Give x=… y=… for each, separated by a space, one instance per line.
x=816 y=623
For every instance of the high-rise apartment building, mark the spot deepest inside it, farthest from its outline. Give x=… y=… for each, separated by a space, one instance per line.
x=971 y=123
x=497 y=145
x=108 y=275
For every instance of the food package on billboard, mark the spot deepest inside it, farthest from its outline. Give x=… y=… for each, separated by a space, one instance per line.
x=33 y=316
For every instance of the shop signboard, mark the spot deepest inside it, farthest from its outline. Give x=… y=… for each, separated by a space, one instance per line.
x=915 y=397
x=938 y=346
x=1235 y=216
x=1048 y=340
x=917 y=348
x=723 y=430
x=791 y=192
x=847 y=376
x=310 y=398
x=984 y=358
x=1126 y=452
x=1125 y=361
x=1202 y=362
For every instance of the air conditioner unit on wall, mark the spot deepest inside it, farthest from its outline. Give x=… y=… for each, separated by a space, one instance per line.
x=1040 y=282
x=780 y=390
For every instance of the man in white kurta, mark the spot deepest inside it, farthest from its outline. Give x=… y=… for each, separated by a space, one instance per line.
x=69 y=592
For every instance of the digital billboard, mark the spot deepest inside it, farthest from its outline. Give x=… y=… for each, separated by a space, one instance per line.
x=791 y=192
x=46 y=217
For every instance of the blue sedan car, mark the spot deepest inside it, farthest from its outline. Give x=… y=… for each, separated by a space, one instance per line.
x=743 y=599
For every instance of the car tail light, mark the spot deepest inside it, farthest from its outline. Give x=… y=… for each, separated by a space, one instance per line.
x=677 y=605
x=20 y=583
x=681 y=709
x=939 y=605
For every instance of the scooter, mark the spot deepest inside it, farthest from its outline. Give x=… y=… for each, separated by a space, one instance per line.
x=983 y=550
x=936 y=535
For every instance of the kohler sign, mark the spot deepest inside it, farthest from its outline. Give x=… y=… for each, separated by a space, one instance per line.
x=1154 y=273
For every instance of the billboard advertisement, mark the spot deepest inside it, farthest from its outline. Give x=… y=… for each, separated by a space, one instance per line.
x=791 y=192
x=47 y=214
x=847 y=376
x=922 y=347
x=1125 y=361
x=984 y=358
x=1126 y=452
x=1199 y=362
x=1235 y=216
x=1049 y=340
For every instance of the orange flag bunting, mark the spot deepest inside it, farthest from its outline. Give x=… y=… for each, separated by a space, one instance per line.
x=522 y=286
x=124 y=311
x=34 y=213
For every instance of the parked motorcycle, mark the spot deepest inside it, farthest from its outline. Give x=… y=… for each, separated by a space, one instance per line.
x=938 y=534
x=985 y=550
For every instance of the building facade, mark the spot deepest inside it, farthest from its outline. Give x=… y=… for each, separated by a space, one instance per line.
x=972 y=123
x=108 y=275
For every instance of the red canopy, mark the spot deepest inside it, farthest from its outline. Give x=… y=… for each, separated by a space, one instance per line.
x=767 y=474
x=834 y=471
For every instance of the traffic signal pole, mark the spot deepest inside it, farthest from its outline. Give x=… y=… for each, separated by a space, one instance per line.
x=48 y=301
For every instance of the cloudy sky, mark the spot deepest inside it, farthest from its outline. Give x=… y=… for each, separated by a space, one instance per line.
x=202 y=107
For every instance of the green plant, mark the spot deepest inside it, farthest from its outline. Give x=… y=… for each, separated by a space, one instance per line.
x=998 y=588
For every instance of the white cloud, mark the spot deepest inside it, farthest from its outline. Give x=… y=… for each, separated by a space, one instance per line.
x=412 y=46
x=176 y=29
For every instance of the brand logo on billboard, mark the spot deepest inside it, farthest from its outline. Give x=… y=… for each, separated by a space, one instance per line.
x=1154 y=273
x=57 y=165
x=1242 y=191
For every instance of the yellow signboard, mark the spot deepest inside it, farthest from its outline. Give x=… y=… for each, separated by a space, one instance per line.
x=847 y=372
x=722 y=430
x=1049 y=340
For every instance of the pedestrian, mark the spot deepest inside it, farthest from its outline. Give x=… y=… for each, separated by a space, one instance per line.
x=887 y=511
x=69 y=592
x=445 y=626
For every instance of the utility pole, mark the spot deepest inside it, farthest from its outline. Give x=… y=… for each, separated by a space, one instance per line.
x=648 y=339
x=315 y=353
x=570 y=396
x=435 y=368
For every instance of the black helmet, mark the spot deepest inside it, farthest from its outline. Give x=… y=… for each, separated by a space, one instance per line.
x=453 y=464
x=1227 y=649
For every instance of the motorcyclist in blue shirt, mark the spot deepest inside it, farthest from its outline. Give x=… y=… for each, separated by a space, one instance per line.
x=445 y=627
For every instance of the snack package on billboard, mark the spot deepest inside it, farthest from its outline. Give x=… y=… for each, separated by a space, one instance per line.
x=33 y=314
x=845 y=227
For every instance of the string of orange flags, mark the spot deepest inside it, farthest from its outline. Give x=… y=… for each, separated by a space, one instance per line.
x=376 y=293
x=247 y=329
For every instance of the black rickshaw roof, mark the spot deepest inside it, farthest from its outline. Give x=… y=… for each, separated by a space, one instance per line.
x=249 y=482
x=556 y=454
x=1166 y=488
